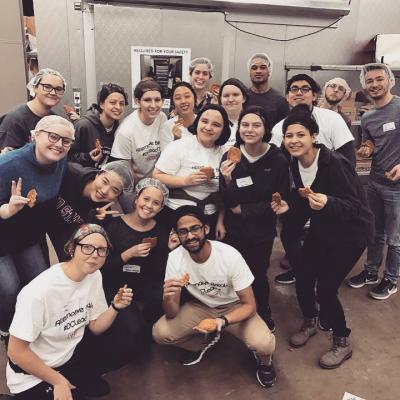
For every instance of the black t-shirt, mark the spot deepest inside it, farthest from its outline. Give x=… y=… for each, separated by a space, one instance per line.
x=272 y=102
x=138 y=271
x=16 y=126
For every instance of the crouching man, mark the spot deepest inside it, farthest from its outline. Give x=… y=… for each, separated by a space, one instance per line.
x=220 y=288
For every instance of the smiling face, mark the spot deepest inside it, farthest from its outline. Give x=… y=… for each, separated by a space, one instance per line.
x=149 y=106
x=88 y=264
x=298 y=140
x=192 y=233
x=183 y=100
x=200 y=77
x=149 y=203
x=251 y=129
x=377 y=84
x=259 y=72
x=45 y=99
x=295 y=96
x=210 y=127
x=113 y=106
x=232 y=99
x=105 y=187
x=47 y=152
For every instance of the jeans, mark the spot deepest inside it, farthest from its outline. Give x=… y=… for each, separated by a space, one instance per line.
x=16 y=270
x=384 y=202
x=326 y=266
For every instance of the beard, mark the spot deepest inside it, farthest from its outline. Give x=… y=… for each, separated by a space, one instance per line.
x=332 y=102
x=197 y=249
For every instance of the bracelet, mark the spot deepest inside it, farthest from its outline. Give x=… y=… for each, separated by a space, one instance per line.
x=226 y=321
x=115 y=308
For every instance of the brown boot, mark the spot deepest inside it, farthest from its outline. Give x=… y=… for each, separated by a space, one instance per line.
x=338 y=354
x=308 y=329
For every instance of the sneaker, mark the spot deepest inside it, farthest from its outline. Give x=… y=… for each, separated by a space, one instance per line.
x=287 y=278
x=194 y=357
x=265 y=374
x=94 y=387
x=308 y=329
x=362 y=279
x=324 y=326
x=266 y=317
x=340 y=352
x=384 y=290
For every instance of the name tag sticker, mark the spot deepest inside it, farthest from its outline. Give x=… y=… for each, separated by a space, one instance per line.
x=390 y=126
x=135 y=269
x=243 y=182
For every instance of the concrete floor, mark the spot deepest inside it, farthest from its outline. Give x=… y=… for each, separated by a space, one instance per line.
x=228 y=370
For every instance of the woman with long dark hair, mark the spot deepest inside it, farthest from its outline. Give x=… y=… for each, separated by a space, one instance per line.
x=328 y=191
x=190 y=167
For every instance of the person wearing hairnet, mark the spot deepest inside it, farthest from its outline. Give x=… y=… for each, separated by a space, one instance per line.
x=87 y=195
x=46 y=88
x=335 y=92
x=30 y=181
x=381 y=127
x=138 y=259
x=260 y=93
x=201 y=71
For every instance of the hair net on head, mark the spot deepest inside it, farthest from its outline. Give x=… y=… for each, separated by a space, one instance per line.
x=123 y=170
x=49 y=121
x=201 y=60
x=338 y=82
x=372 y=66
x=262 y=56
x=151 y=182
x=34 y=82
x=80 y=233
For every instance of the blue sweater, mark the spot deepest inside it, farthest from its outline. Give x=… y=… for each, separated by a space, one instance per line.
x=28 y=226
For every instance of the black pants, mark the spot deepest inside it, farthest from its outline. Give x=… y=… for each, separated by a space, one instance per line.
x=131 y=331
x=93 y=356
x=257 y=255
x=325 y=266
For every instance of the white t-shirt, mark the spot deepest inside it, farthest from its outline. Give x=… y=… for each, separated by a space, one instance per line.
x=333 y=131
x=185 y=156
x=138 y=142
x=308 y=174
x=51 y=313
x=232 y=138
x=216 y=281
x=166 y=135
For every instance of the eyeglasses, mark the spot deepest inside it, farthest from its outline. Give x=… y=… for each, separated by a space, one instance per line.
x=195 y=229
x=49 y=88
x=338 y=87
x=296 y=89
x=54 y=138
x=88 y=249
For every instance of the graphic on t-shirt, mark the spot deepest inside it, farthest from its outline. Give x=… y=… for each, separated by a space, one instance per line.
x=150 y=151
x=212 y=289
x=68 y=214
x=74 y=318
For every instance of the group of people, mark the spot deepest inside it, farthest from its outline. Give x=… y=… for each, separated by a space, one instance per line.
x=163 y=232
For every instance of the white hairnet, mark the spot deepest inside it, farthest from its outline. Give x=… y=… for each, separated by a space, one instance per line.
x=201 y=60
x=262 y=56
x=338 y=82
x=370 y=67
x=34 y=82
x=151 y=182
x=49 y=121
x=123 y=170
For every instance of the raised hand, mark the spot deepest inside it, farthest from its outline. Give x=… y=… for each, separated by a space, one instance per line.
x=17 y=202
x=102 y=212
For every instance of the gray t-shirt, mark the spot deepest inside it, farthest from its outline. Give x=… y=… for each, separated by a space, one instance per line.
x=382 y=126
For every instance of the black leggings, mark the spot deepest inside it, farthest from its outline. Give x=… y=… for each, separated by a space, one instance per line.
x=325 y=265
x=257 y=256
x=93 y=356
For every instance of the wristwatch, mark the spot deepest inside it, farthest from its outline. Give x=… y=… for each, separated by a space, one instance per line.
x=225 y=319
